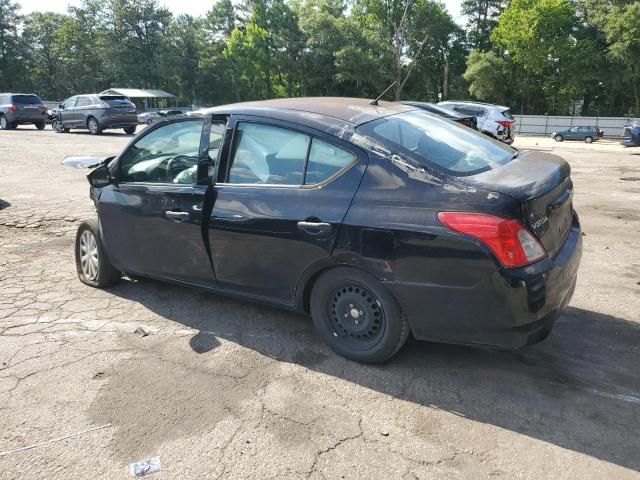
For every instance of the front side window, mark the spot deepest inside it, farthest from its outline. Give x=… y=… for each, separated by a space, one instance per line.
x=269 y=155
x=83 y=102
x=169 y=154
x=70 y=103
x=434 y=140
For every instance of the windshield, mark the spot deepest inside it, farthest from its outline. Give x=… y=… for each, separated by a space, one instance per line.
x=27 y=100
x=115 y=100
x=434 y=140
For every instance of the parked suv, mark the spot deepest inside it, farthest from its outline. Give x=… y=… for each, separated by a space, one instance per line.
x=96 y=113
x=20 y=109
x=493 y=120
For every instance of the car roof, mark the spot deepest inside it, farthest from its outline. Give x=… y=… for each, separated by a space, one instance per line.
x=440 y=109
x=21 y=94
x=319 y=112
x=471 y=102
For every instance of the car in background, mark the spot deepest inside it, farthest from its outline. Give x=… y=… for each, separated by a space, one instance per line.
x=95 y=112
x=377 y=220
x=493 y=120
x=22 y=109
x=631 y=135
x=152 y=117
x=466 y=120
x=585 y=134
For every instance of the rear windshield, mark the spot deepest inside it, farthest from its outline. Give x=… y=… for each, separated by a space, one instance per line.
x=27 y=100
x=114 y=99
x=507 y=113
x=438 y=142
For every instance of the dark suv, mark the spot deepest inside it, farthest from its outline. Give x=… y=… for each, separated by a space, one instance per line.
x=19 y=109
x=96 y=113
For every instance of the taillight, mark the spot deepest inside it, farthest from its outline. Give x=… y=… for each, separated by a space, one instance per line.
x=45 y=110
x=12 y=108
x=511 y=243
x=504 y=123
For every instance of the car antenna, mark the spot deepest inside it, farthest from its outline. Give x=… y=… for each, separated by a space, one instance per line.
x=375 y=102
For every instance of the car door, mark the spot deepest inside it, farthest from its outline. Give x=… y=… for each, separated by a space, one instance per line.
x=151 y=216
x=81 y=111
x=280 y=199
x=67 y=111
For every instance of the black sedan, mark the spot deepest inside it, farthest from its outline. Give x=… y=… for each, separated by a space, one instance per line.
x=378 y=220
x=466 y=120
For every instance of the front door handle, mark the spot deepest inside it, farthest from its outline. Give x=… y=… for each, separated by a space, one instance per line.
x=314 y=228
x=177 y=216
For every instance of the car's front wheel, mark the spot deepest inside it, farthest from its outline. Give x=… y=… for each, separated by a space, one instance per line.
x=56 y=124
x=92 y=264
x=356 y=316
x=94 y=126
x=5 y=124
x=130 y=130
x=558 y=138
x=588 y=140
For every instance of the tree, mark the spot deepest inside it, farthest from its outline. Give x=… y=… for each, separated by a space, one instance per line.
x=483 y=17
x=622 y=29
x=10 y=45
x=407 y=26
x=486 y=73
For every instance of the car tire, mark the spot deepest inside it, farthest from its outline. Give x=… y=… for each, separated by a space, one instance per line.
x=56 y=125
x=94 y=126
x=357 y=316
x=588 y=140
x=92 y=264
x=130 y=130
x=5 y=124
x=149 y=122
x=558 y=138
x=40 y=125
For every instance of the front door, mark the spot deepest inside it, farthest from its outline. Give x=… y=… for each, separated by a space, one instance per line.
x=151 y=217
x=67 y=112
x=281 y=197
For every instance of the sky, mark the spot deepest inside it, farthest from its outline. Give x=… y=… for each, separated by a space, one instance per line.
x=191 y=7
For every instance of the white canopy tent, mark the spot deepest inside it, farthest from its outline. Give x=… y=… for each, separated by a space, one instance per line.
x=150 y=97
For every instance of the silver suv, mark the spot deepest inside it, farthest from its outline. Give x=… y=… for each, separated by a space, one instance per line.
x=493 y=120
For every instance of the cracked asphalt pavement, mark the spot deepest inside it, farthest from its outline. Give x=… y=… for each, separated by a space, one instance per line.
x=226 y=389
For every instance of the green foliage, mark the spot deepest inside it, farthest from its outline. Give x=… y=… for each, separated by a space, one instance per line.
x=536 y=56
x=487 y=75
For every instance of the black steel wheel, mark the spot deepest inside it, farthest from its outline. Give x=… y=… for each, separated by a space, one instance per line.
x=357 y=316
x=40 y=125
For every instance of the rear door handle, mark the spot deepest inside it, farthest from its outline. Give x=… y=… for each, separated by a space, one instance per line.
x=177 y=216
x=314 y=228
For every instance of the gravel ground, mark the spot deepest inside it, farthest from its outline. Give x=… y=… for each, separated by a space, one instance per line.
x=225 y=389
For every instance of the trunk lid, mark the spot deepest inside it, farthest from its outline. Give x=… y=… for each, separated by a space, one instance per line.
x=542 y=184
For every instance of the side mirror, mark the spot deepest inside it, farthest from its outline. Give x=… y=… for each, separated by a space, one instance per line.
x=100 y=177
x=61 y=106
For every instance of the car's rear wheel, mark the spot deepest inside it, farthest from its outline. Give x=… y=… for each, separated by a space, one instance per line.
x=357 y=317
x=558 y=138
x=93 y=126
x=130 y=130
x=588 y=140
x=92 y=264
x=40 y=125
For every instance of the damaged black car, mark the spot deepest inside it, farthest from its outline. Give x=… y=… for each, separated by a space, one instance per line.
x=379 y=220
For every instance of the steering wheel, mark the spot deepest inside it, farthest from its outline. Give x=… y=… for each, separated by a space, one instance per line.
x=177 y=164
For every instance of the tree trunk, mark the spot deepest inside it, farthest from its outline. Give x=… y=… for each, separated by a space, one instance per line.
x=445 y=78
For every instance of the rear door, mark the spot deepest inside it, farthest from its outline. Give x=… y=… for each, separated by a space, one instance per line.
x=281 y=197
x=81 y=111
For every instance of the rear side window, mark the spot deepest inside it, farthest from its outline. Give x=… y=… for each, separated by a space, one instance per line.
x=27 y=100
x=325 y=160
x=265 y=154
x=432 y=140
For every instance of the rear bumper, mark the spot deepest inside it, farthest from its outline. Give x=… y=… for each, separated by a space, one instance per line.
x=120 y=121
x=510 y=309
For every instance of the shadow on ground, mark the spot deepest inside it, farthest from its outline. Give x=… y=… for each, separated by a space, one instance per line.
x=580 y=389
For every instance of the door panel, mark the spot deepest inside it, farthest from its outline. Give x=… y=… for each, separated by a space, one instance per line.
x=152 y=218
x=263 y=237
